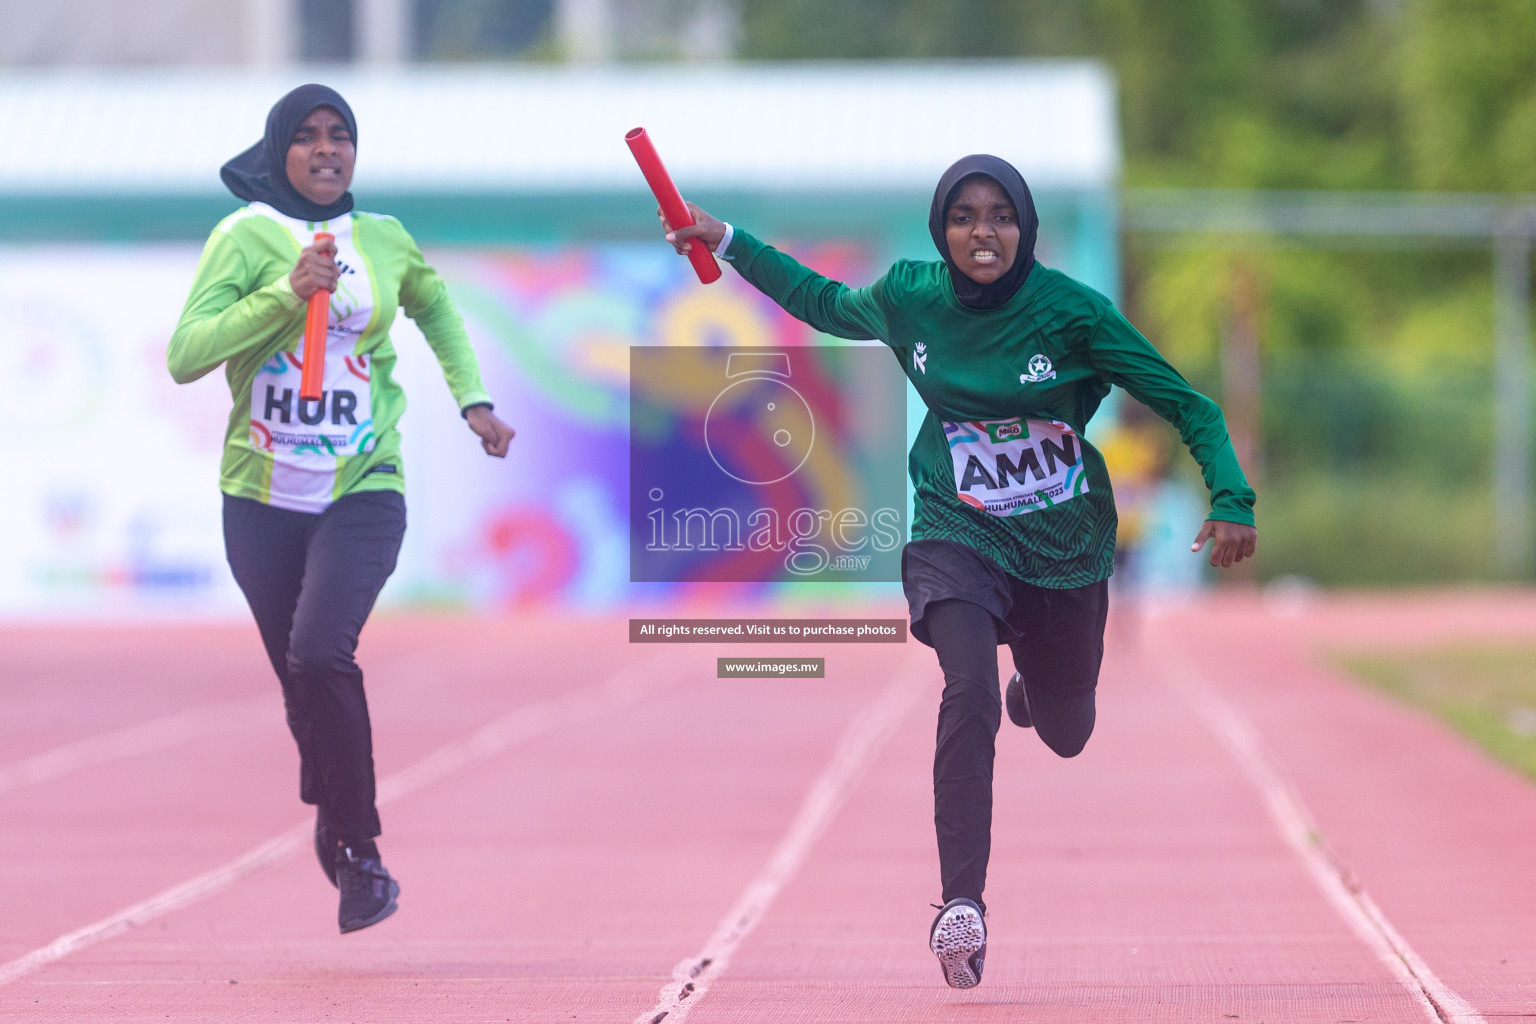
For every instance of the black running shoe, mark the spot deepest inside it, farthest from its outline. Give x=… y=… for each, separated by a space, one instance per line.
x=367 y=892
x=1017 y=703
x=959 y=939
x=325 y=848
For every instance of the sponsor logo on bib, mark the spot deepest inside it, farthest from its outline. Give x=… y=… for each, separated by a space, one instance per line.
x=1010 y=467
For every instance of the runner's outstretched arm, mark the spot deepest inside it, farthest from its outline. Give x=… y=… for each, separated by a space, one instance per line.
x=1123 y=356
x=829 y=306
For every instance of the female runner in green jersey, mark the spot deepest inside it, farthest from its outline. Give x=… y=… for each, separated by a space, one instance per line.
x=314 y=498
x=1013 y=532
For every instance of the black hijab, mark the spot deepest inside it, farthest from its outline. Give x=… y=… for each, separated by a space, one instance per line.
x=986 y=296
x=260 y=174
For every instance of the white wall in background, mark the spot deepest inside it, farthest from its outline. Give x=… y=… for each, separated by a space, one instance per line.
x=771 y=126
x=107 y=33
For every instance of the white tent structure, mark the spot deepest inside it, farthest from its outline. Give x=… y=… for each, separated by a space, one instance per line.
x=810 y=126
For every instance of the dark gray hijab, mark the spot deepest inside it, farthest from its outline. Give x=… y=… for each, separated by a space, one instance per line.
x=986 y=296
x=260 y=174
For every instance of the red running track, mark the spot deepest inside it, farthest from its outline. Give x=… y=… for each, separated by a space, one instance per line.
x=575 y=821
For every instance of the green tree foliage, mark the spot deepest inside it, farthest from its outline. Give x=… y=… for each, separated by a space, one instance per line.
x=1263 y=94
x=1376 y=364
x=1469 y=93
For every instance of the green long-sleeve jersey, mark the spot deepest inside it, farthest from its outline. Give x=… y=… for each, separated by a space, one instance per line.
x=1000 y=464
x=243 y=313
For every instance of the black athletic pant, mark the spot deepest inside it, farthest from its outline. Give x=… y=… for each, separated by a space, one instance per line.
x=1058 y=656
x=311 y=580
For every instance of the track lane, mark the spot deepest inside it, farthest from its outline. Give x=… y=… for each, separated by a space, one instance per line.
x=693 y=977
x=1434 y=831
x=1141 y=881
x=638 y=830
x=564 y=879
x=158 y=819
x=516 y=727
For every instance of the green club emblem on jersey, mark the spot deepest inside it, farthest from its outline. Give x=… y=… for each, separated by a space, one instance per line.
x=1039 y=370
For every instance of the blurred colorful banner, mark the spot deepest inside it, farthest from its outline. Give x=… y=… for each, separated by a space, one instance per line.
x=112 y=470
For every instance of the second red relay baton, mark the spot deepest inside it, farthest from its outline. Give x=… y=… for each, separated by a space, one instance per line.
x=671 y=202
x=317 y=316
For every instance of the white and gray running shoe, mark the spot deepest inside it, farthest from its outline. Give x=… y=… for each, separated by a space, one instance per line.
x=959 y=939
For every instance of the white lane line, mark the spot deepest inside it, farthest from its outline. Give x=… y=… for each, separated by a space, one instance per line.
x=863 y=739
x=618 y=691
x=420 y=670
x=134 y=740
x=1343 y=890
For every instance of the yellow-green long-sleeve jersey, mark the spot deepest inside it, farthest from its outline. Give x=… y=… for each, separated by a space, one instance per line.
x=243 y=313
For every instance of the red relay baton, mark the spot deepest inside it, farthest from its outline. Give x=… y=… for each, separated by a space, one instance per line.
x=671 y=202
x=312 y=377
